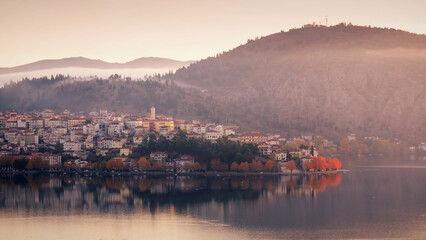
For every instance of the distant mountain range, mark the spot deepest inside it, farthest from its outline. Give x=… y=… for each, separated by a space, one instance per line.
x=81 y=62
x=330 y=81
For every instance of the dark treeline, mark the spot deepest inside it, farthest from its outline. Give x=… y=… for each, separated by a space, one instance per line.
x=204 y=151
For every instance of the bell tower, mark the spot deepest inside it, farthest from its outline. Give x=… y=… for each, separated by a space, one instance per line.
x=153 y=113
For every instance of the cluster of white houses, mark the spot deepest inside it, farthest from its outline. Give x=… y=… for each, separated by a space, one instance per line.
x=101 y=130
x=104 y=131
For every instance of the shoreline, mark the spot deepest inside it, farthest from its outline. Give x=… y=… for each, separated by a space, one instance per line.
x=168 y=174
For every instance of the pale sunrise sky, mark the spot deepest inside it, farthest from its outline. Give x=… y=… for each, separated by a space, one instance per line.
x=122 y=30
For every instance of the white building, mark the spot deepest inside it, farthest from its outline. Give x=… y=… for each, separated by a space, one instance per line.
x=265 y=149
x=198 y=128
x=159 y=156
x=115 y=128
x=229 y=131
x=72 y=146
x=213 y=135
x=133 y=123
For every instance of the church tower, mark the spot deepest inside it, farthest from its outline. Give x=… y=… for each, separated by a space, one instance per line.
x=153 y=113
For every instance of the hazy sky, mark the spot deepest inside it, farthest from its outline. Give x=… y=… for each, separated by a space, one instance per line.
x=122 y=30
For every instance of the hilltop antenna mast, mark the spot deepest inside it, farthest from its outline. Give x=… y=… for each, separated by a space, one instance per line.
x=326 y=21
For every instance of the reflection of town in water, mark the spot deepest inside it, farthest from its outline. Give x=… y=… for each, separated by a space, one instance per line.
x=112 y=194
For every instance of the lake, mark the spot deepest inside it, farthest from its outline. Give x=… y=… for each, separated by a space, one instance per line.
x=379 y=198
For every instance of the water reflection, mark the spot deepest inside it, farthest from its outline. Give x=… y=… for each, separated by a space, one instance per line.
x=113 y=194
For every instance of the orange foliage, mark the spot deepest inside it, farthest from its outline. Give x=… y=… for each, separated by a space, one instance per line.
x=269 y=166
x=244 y=167
x=334 y=163
x=256 y=166
x=158 y=166
x=319 y=163
x=322 y=164
x=307 y=165
x=234 y=166
x=196 y=167
x=144 y=164
x=291 y=165
x=115 y=164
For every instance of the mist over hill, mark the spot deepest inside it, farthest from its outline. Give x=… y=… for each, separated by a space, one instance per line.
x=330 y=81
x=326 y=80
x=81 y=62
x=85 y=67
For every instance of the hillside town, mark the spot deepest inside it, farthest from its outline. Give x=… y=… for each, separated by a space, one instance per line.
x=74 y=141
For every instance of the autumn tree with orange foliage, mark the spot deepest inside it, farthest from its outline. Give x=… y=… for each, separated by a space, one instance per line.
x=37 y=162
x=234 y=166
x=94 y=166
x=256 y=166
x=291 y=165
x=269 y=166
x=115 y=164
x=307 y=165
x=102 y=165
x=322 y=164
x=196 y=167
x=334 y=164
x=158 y=166
x=144 y=164
x=244 y=167
x=318 y=163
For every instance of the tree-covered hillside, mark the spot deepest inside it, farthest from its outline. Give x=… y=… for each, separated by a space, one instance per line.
x=114 y=94
x=326 y=80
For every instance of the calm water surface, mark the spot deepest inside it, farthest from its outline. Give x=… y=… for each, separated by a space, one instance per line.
x=377 y=199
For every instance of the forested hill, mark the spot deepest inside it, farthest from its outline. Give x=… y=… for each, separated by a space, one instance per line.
x=114 y=94
x=326 y=80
